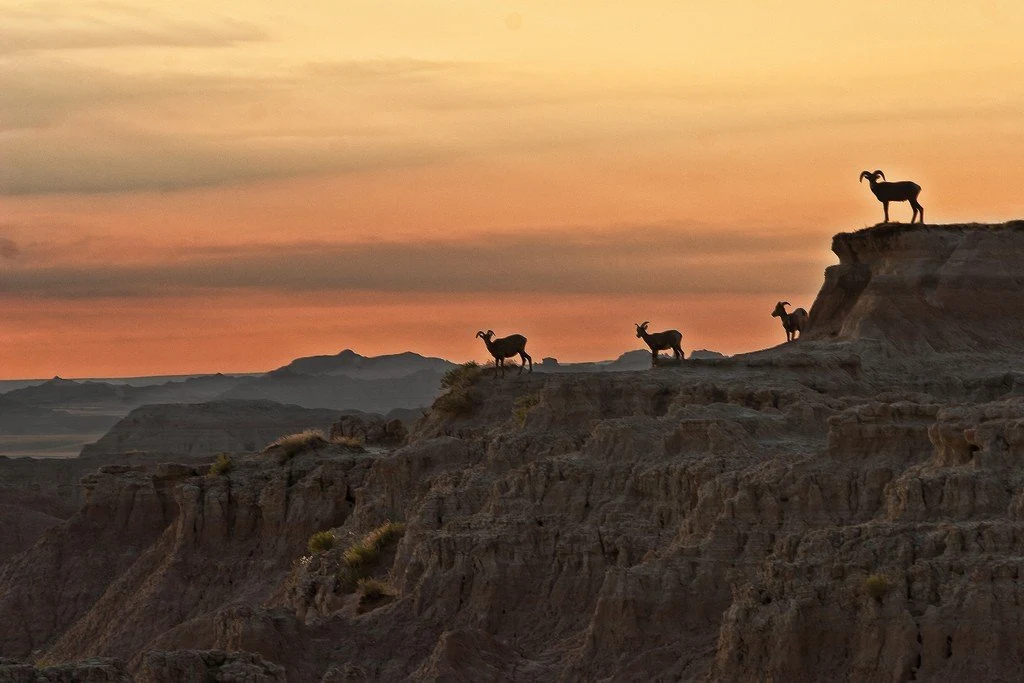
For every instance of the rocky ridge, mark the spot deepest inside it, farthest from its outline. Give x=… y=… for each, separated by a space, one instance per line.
x=833 y=509
x=202 y=429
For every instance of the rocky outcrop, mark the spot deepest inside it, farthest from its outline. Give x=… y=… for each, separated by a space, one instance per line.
x=203 y=429
x=925 y=288
x=832 y=509
x=208 y=665
x=153 y=552
x=370 y=429
x=98 y=670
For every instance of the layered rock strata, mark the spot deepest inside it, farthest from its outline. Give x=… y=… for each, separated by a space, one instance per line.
x=833 y=509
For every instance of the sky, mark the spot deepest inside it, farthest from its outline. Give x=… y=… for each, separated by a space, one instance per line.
x=211 y=186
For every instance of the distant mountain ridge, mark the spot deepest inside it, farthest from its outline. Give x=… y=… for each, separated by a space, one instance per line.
x=197 y=429
x=341 y=382
x=352 y=364
x=345 y=381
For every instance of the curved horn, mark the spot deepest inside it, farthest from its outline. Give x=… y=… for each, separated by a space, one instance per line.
x=785 y=303
x=480 y=333
x=881 y=174
x=863 y=175
x=644 y=323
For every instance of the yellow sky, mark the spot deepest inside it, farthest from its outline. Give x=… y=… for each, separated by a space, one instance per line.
x=197 y=186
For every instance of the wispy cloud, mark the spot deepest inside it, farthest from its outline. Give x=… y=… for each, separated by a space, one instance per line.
x=8 y=248
x=48 y=26
x=647 y=260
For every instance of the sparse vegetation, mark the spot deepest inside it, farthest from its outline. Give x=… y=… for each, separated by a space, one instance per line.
x=461 y=375
x=457 y=401
x=522 y=407
x=876 y=585
x=322 y=541
x=360 y=557
x=222 y=465
x=372 y=593
x=348 y=441
x=287 y=447
x=460 y=399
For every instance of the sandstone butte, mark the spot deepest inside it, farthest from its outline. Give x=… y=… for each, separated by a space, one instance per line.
x=849 y=507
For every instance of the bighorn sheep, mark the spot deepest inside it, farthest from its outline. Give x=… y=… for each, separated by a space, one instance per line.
x=506 y=347
x=792 y=322
x=902 y=191
x=658 y=341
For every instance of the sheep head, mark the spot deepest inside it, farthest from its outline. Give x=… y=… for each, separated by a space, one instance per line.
x=486 y=336
x=872 y=176
x=641 y=328
x=780 y=309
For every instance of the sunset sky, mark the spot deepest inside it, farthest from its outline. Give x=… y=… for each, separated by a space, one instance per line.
x=224 y=185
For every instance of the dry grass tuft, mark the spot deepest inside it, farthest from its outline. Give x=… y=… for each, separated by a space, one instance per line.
x=354 y=442
x=360 y=557
x=876 y=585
x=373 y=593
x=461 y=375
x=460 y=398
x=322 y=541
x=522 y=407
x=287 y=447
x=222 y=465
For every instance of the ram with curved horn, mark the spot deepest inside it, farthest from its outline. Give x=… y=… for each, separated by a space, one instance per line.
x=658 y=341
x=506 y=347
x=901 y=191
x=794 y=322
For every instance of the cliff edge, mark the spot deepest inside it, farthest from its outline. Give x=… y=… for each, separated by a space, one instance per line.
x=825 y=510
x=926 y=288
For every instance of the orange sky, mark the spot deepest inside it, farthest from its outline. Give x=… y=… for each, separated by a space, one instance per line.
x=200 y=187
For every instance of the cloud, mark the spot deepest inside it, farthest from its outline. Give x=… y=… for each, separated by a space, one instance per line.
x=8 y=248
x=76 y=26
x=647 y=260
x=71 y=128
x=122 y=163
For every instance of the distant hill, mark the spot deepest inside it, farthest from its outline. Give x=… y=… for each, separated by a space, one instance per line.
x=63 y=392
x=341 y=392
x=206 y=428
x=101 y=395
x=351 y=364
x=17 y=417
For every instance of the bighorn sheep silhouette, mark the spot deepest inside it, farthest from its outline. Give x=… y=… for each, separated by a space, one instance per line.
x=791 y=322
x=506 y=347
x=658 y=341
x=902 y=191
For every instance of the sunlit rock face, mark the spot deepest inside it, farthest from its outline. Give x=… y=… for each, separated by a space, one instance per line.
x=926 y=288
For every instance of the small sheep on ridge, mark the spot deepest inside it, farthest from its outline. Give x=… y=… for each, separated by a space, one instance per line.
x=506 y=347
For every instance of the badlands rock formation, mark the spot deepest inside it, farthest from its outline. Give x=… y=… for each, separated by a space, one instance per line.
x=847 y=507
x=202 y=429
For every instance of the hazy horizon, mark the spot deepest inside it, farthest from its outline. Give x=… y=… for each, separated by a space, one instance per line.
x=194 y=189
x=151 y=378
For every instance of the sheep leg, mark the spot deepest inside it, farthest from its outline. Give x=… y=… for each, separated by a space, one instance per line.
x=918 y=211
x=525 y=357
x=885 y=205
x=654 y=357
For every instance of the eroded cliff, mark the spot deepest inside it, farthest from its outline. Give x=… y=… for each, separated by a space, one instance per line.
x=926 y=288
x=833 y=509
